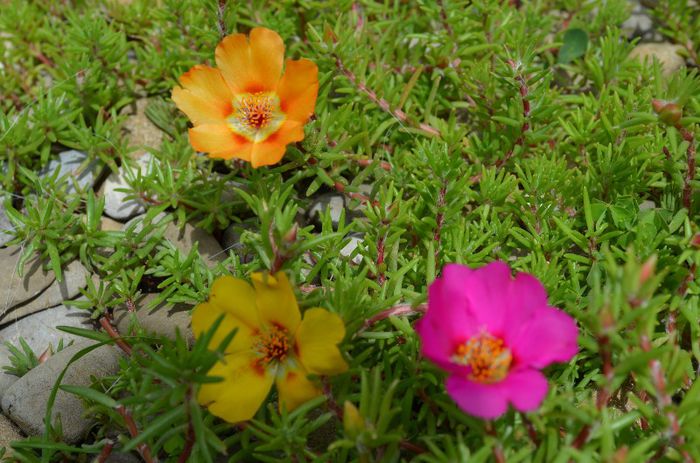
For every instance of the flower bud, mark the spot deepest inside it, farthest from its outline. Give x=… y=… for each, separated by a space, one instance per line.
x=669 y=113
x=353 y=423
x=647 y=270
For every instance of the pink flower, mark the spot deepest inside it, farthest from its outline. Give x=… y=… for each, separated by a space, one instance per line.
x=493 y=333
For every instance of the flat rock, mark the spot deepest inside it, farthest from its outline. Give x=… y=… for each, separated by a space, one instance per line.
x=8 y=433
x=70 y=168
x=74 y=275
x=15 y=289
x=184 y=239
x=665 y=53
x=39 y=332
x=141 y=133
x=25 y=401
x=107 y=224
x=162 y=320
x=116 y=204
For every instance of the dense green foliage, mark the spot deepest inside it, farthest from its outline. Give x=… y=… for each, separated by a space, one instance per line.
x=457 y=135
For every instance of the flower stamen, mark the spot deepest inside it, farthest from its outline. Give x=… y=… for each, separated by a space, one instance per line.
x=256 y=116
x=488 y=358
x=273 y=345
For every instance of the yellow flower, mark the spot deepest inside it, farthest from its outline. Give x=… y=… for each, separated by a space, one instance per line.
x=272 y=345
x=248 y=108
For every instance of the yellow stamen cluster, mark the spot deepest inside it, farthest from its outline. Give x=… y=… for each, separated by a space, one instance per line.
x=255 y=110
x=486 y=355
x=273 y=345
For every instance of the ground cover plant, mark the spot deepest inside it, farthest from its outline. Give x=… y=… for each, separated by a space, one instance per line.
x=441 y=231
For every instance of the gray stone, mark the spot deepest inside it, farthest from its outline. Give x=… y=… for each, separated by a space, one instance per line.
x=335 y=203
x=116 y=204
x=40 y=333
x=231 y=241
x=141 y=133
x=74 y=275
x=8 y=433
x=119 y=457
x=184 y=239
x=15 y=289
x=647 y=205
x=5 y=224
x=665 y=53
x=349 y=248
x=70 y=168
x=162 y=320
x=25 y=401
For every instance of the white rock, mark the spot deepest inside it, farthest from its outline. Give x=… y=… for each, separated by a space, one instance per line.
x=68 y=165
x=665 y=53
x=333 y=202
x=116 y=204
x=349 y=248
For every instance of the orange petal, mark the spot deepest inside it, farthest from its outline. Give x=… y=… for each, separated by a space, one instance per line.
x=254 y=65
x=298 y=89
x=272 y=149
x=204 y=95
x=220 y=142
x=242 y=391
x=295 y=389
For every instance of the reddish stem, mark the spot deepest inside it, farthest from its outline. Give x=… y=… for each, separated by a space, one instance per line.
x=382 y=103
x=395 y=311
x=134 y=432
x=114 y=334
x=190 y=437
x=106 y=452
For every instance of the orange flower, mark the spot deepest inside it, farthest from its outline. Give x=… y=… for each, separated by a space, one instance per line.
x=248 y=109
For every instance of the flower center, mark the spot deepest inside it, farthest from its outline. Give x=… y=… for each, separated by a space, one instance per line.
x=273 y=345
x=487 y=357
x=256 y=116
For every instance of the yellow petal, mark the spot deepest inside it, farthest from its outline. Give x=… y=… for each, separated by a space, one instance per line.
x=317 y=342
x=204 y=316
x=242 y=391
x=276 y=301
x=254 y=65
x=237 y=297
x=295 y=389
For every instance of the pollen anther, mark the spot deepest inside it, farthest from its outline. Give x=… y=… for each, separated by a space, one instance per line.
x=486 y=356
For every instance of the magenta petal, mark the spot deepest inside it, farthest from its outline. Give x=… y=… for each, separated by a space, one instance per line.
x=487 y=291
x=525 y=389
x=447 y=322
x=526 y=295
x=550 y=336
x=486 y=401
